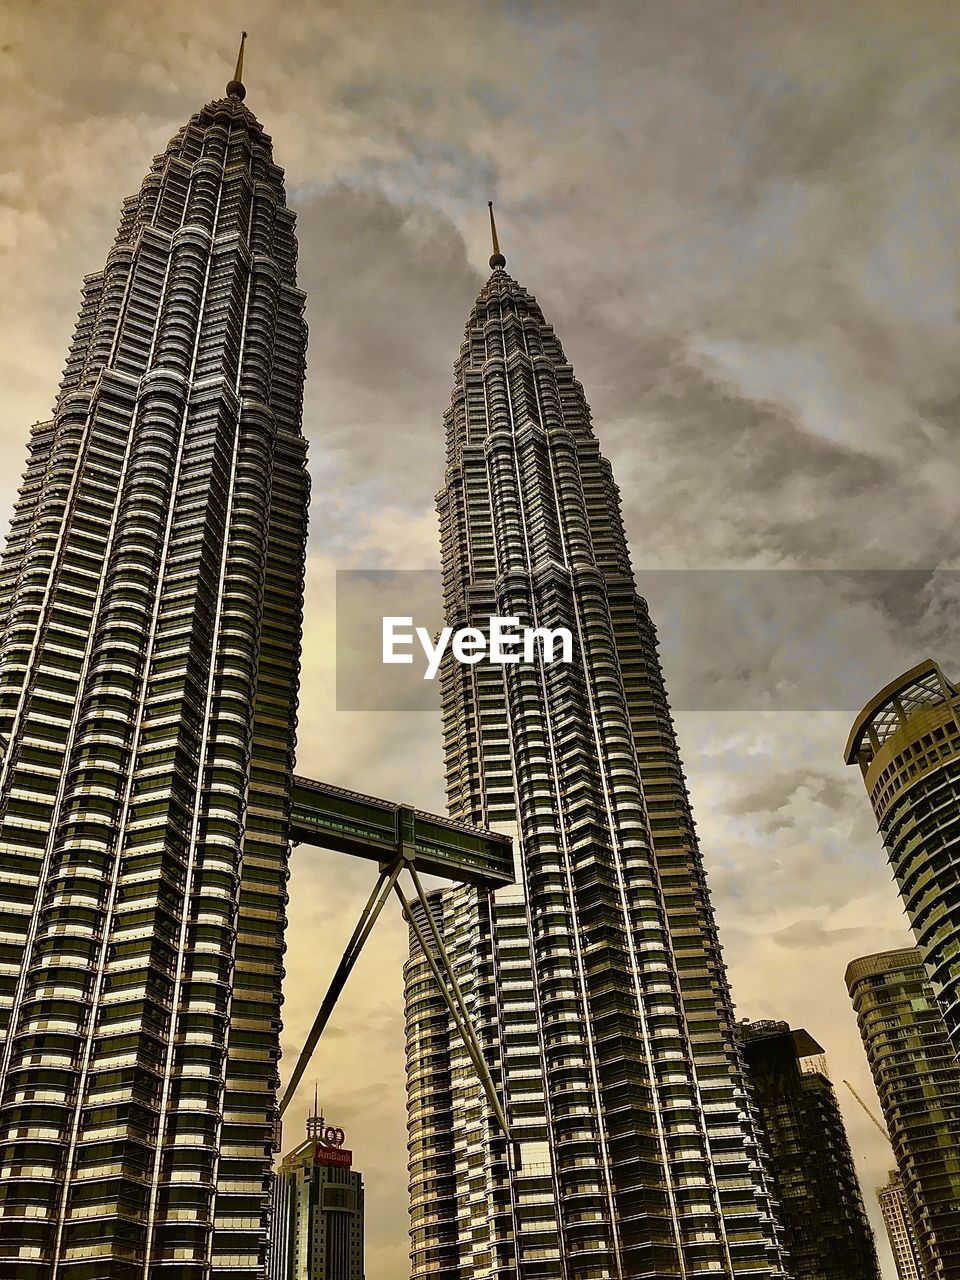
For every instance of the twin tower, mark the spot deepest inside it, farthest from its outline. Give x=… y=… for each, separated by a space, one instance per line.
x=152 y=592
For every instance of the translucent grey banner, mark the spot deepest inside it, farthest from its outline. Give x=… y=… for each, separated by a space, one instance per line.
x=730 y=640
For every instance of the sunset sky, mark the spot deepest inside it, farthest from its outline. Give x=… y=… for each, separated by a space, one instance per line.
x=743 y=219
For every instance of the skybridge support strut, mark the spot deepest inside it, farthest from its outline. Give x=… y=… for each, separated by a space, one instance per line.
x=440 y=966
x=453 y=997
x=368 y=918
x=396 y=836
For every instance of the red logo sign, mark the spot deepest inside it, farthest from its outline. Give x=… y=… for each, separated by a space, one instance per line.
x=332 y=1155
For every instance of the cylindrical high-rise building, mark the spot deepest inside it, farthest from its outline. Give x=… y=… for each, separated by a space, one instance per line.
x=906 y=741
x=597 y=983
x=149 y=649
x=918 y=1083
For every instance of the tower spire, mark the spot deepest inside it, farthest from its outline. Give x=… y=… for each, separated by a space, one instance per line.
x=235 y=88
x=496 y=258
x=314 y=1119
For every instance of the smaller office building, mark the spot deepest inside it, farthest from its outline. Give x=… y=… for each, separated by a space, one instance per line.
x=317 y=1226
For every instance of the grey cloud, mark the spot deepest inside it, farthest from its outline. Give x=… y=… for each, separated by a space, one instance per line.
x=778 y=789
x=388 y=286
x=805 y=935
x=742 y=218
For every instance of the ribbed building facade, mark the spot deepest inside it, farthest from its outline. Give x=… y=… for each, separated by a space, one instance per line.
x=149 y=655
x=596 y=984
x=907 y=744
x=825 y=1226
x=918 y=1083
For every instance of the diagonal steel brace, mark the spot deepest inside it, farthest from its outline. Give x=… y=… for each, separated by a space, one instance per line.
x=456 y=1005
x=368 y=918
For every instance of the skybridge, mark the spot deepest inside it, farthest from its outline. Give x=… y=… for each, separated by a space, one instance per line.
x=399 y=838
x=329 y=817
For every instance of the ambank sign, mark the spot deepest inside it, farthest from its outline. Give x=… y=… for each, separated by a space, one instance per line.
x=330 y=1149
x=332 y=1155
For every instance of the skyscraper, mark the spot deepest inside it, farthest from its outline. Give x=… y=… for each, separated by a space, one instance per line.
x=896 y=1218
x=317 y=1227
x=826 y=1230
x=906 y=741
x=597 y=984
x=918 y=1083
x=149 y=648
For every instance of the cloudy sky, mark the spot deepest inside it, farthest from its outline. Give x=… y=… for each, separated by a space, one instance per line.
x=743 y=219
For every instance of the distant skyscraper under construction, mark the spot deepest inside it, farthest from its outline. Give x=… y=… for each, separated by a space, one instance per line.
x=895 y=1208
x=597 y=983
x=906 y=741
x=152 y=586
x=918 y=1083
x=826 y=1230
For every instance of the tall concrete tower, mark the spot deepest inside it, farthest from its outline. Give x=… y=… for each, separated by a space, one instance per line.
x=152 y=587
x=317 y=1226
x=597 y=983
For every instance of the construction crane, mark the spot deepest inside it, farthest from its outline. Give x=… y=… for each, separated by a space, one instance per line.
x=880 y=1126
